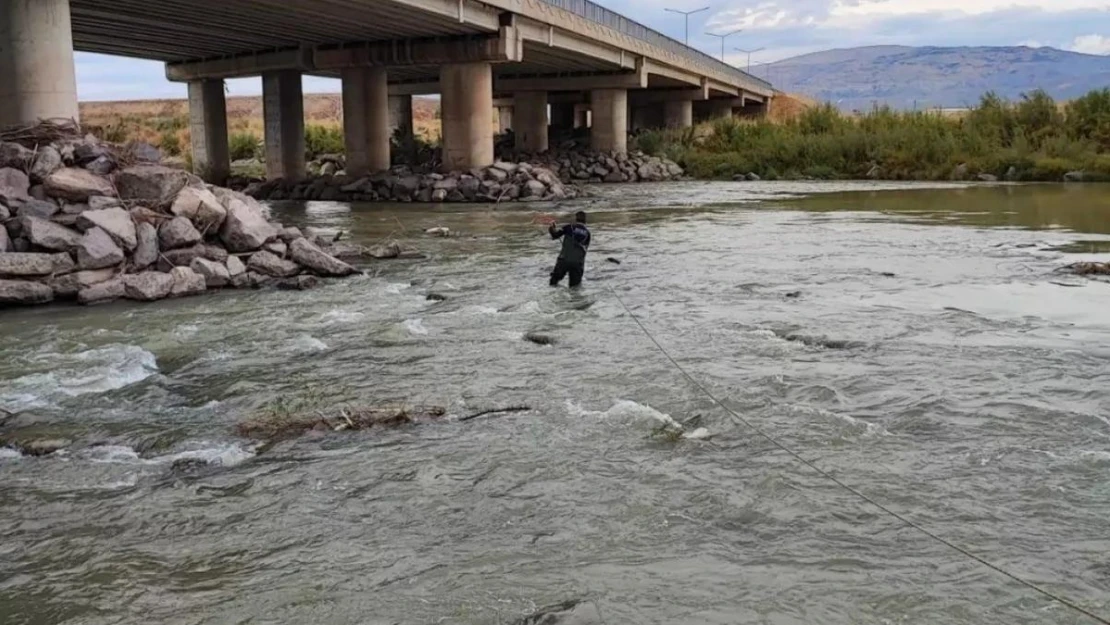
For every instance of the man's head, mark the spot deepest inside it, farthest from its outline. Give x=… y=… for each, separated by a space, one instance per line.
x=580 y=217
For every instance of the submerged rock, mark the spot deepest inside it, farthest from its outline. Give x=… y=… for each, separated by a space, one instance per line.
x=298 y=283
x=318 y=261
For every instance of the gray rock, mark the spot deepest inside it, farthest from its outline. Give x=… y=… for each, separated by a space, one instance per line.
x=215 y=274
x=21 y=245
x=469 y=187
x=97 y=250
x=179 y=258
x=186 y=281
x=47 y=234
x=245 y=228
x=75 y=208
x=146 y=249
x=754 y=177
x=24 y=293
x=439 y=195
x=76 y=185
x=386 y=250
x=278 y=248
x=212 y=252
x=5 y=241
x=69 y=285
x=5 y=214
x=298 y=283
x=290 y=233
x=100 y=202
x=508 y=168
x=318 y=261
x=496 y=174
x=177 y=233
x=37 y=208
x=142 y=152
x=153 y=185
x=44 y=447
x=115 y=221
x=255 y=280
x=26 y=264
x=201 y=206
x=447 y=184
x=235 y=267
x=103 y=292
x=63 y=263
x=39 y=192
x=406 y=187
x=102 y=166
x=14 y=187
x=14 y=155
x=1075 y=176
x=988 y=178
x=143 y=215
x=533 y=189
x=89 y=150
x=147 y=286
x=267 y=263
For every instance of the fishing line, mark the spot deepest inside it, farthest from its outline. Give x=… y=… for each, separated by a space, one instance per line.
x=832 y=478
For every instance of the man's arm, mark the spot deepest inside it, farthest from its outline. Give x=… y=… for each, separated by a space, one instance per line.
x=555 y=231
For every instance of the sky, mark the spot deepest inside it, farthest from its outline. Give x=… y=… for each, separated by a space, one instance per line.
x=778 y=29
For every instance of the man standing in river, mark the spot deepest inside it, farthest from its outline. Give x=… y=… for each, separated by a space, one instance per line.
x=572 y=257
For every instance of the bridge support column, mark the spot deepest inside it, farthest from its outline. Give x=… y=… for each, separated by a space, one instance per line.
x=401 y=125
x=720 y=109
x=610 y=120
x=505 y=119
x=563 y=116
x=208 y=130
x=36 y=62
x=467 y=105
x=283 y=117
x=366 y=120
x=678 y=114
x=530 y=108
x=581 y=116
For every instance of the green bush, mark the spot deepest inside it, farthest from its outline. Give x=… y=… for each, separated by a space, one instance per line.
x=323 y=140
x=170 y=143
x=243 y=146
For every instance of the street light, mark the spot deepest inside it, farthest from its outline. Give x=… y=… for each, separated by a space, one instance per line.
x=750 y=53
x=687 y=15
x=723 y=37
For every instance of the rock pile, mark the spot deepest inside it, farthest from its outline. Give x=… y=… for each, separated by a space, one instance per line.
x=501 y=182
x=84 y=221
x=586 y=166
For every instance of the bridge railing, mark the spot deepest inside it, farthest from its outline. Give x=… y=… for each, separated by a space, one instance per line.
x=621 y=24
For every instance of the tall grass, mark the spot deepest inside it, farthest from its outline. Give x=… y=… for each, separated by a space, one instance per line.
x=1031 y=139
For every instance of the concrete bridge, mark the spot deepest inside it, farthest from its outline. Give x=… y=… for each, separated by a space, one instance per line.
x=563 y=63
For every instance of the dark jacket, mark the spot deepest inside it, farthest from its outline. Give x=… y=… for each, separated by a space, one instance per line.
x=576 y=240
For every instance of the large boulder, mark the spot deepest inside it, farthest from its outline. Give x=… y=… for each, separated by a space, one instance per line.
x=14 y=187
x=69 y=285
x=235 y=267
x=177 y=233
x=14 y=155
x=245 y=228
x=102 y=292
x=37 y=208
x=215 y=274
x=186 y=282
x=115 y=221
x=147 y=286
x=76 y=185
x=154 y=185
x=47 y=234
x=201 y=206
x=26 y=264
x=24 y=292
x=146 y=248
x=318 y=261
x=63 y=263
x=267 y=263
x=47 y=161
x=97 y=250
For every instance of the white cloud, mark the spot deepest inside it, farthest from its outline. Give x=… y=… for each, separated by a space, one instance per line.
x=1091 y=44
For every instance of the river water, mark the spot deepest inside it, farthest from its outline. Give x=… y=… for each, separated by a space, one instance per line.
x=916 y=343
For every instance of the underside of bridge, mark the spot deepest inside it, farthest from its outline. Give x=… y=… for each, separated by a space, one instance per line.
x=528 y=54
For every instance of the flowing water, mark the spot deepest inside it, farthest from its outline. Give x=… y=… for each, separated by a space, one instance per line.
x=919 y=344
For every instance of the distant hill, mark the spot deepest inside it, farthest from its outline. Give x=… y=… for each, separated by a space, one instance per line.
x=902 y=77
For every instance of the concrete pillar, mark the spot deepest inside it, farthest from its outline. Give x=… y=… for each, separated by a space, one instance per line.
x=283 y=117
x=400 y=116
x=366 y=120
x=720 y=109
x=581 y=116
x=504 y=119
x=678 y=114
x=530 y=108
x=610 y=120
x=562 y=116
x=467 y=105
x=37 y=79
x=208 y=131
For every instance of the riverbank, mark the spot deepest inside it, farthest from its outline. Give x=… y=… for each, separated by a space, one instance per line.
x=1035 y=139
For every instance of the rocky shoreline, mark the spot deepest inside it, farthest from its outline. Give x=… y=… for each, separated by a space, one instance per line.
x=83 y=220
x=547 y=177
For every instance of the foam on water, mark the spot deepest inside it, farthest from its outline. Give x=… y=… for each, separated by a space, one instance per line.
x=306 y=343
x=639 y=415
x=338 y=316
x=9 y=454
x=415 y=326
x=397 y=287
x=213 y=453
x=92 y=371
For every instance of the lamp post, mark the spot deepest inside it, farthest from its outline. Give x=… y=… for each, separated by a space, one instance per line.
x=687 y=14
x=723 y=37
x=750 y=53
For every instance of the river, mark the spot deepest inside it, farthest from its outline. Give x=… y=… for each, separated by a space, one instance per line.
x=914 y=341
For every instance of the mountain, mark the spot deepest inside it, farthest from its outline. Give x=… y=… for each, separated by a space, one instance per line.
x=905 y=77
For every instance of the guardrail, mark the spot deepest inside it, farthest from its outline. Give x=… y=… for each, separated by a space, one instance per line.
x=621 y=24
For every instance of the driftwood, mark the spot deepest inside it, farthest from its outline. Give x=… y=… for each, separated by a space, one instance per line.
x=496 y=411
x=43 y=132
x=276 y=425
x=1088 y=269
